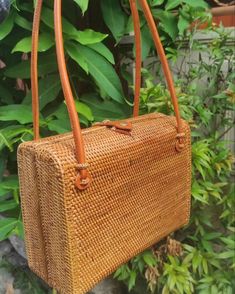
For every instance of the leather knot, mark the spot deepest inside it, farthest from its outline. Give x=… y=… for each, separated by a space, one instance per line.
x=83 y=183
x=179 y=145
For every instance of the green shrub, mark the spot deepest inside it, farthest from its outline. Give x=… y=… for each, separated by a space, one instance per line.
x=199 y=258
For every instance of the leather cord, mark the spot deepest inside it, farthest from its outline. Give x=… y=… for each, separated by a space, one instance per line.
x=34 y=68
x=163 y=59
x=138 y=61
x=74 y=119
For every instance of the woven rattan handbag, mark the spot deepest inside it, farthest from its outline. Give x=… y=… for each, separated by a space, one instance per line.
x=93 y=199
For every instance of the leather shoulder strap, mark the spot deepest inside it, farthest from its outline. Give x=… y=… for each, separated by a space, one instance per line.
x=83 y=179
x=138 y=62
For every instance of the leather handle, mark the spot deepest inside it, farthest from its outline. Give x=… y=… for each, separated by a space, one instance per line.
x=138 y=61
x=83 y=179
x=34 y=68
x=164 y=62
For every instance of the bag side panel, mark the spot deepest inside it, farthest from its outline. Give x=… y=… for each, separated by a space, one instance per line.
x=30 y=196
x=54 y=222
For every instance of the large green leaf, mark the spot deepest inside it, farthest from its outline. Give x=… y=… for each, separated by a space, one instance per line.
x=16 y=112
x=59 y=126
x=7 y=26
x=198 y=3
x=85 y=37
x=7 y=225
x=88 y=36
x=46 y=41
x=103 y=73
x=49 y=88
x=103 y=50
x=46 y=64
x=183 y=24
x=8 y=137
x=63 y=123
x=7 y=205
x=171 y=4
x=168 y=22
x=114 y=17
x=85 y=110
x=105 y=109
x=146 y=41
x=77 y=56
x=83 y=4
x=47 y=17
x=5 y=94
x=23 y=22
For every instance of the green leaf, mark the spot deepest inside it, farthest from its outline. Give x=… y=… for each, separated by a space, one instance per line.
x=103 y=50
x=105 y=109
x=149 y=259
x=45 y=42
x=19 y=230
x=85 y=37
x=103 y=73
x=114 y=17
x=168 y=23
x=49 y=89
x=47 y=17
x=89 y=36
x=62 y=123
x=198 y=3
x=183 y=24
x=132 y=280
x=10 y=183
x=146 y=41
x=23 y=22
x=77 y=56
x=7 y=26
x=85 y=110
x=226 y=255
x=83 y=4
x=5 y=94
x=46 y=64
x=7 y=225
x=156 y=2
x=17 y=112
x=59 y=126
x=171 y=4
x=7 y=205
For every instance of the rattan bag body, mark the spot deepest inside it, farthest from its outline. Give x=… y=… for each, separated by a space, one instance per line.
x=140 y=193
x=94 y=198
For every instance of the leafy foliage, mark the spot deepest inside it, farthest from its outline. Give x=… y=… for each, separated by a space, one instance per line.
x=199 y=258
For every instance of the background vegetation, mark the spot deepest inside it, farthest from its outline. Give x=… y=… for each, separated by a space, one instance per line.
x=199 y=258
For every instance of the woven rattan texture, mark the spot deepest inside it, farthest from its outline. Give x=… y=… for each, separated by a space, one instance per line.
x=140 y=192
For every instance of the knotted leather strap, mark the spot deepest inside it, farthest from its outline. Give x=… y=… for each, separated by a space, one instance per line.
x=83 y=179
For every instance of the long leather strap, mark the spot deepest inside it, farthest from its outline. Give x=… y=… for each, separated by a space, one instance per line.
x=74 y=120
x=34 y=68
x=163 y=59
x=83 y=179
x=138 y=61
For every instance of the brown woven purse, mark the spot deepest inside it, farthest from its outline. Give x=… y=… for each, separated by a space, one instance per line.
x=94 y=198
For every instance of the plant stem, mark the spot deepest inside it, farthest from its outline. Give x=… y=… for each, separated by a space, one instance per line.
x=225 y=132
